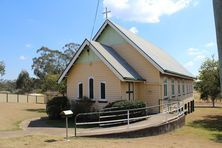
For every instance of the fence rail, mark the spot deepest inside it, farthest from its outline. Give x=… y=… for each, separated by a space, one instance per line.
x=19 y=98
x=175 y=108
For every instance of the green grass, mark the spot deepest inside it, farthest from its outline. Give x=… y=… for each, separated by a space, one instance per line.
x=204 y=122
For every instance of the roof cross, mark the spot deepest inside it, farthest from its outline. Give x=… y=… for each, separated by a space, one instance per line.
x=106 y=12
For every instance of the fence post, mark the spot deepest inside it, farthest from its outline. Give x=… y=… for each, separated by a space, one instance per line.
x=36 y=99
x=27 y=99
x=17 y=98
x=7 y=97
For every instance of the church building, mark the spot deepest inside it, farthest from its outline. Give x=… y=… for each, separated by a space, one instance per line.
x=119 y=65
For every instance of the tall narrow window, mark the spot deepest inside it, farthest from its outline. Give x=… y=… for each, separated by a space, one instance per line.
x=103 y=90
x=172 y=87
x=183 y=88
x=80 y=91
x=165 y=89
x=178 y=87
x=91 y=89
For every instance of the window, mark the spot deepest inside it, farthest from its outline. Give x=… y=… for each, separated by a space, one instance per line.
x=103 y=90
x=172 y=87
x=91 y=89
x=187 y=88
x=178 y=87
x=165 y=89
x=183 y=88
x=80 y=91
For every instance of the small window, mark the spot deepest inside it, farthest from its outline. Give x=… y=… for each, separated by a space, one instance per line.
x=103 y=90
x=91 y=88
x=80 y=91
x=165 y=88
x=172 y=87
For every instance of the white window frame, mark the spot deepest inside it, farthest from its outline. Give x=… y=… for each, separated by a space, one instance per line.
x=100 y=98
x=80 y=82
x=91 y=77
x=165 y=82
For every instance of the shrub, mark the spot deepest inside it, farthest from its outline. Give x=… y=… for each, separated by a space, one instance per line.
x=83 y=105
x=125 y=105
x=56 y=105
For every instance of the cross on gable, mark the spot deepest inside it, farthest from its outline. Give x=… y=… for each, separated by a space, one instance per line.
x=106 y=12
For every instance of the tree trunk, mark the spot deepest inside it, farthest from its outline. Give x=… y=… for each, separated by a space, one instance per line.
x=213 y=101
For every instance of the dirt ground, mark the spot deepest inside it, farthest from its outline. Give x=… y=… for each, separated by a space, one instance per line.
x=203 y=129
x=11 y=114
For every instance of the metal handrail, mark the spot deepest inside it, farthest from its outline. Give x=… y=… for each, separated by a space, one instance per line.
x=125 y=110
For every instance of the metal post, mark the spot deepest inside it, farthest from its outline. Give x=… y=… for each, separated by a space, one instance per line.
x=67 y=128
x=75 y=126
x=128 y=118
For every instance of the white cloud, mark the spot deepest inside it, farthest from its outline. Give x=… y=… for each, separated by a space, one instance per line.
x=28 y=45
x=23 y=58
x=144 y=11
x=210 y=44
x=134 y=30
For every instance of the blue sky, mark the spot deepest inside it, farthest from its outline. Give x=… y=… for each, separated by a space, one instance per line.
x=183 y=28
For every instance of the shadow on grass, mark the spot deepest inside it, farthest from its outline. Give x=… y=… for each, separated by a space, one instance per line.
x=210 y=123
x=38 y=110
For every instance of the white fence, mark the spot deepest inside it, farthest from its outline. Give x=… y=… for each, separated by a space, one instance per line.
x=18 y=98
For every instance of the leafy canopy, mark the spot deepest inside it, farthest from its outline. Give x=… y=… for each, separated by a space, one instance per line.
x=209 y=81
x=2 y=68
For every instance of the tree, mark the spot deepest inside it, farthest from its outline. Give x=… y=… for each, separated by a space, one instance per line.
x=209 y=81
x=52 y=61
x=8 y=85
x=50 y=64
x=23 y=82
x=2 y=68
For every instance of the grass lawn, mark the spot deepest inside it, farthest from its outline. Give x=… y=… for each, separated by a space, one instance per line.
x=12 y=114
x=203 y=129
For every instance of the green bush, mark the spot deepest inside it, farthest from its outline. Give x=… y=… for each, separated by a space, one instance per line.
x=56 y=105
x=125 y=104
x=83 y=105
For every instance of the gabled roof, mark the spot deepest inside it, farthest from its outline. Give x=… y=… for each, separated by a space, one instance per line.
x=156 y=56
x=111 y=58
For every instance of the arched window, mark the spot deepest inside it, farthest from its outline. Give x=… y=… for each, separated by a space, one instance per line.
x=103 y=90
x=80 y=91
x=91 y=89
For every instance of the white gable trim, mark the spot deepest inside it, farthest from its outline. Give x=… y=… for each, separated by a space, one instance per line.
x=73 y=60
x=130 y=42
x=86 y=42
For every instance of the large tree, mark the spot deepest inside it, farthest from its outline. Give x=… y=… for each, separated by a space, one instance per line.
x=209 y=81
x=50 y=64
x=2 y=68
x=23 y=82
x=53 y=61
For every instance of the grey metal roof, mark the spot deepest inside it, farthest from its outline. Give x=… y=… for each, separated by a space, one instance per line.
x=163 y=61
x=117 y=62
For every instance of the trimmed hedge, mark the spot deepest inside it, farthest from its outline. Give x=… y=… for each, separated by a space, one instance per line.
x=56 y=105
x=125 y=104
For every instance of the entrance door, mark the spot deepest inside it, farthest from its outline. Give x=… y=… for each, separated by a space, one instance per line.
x=130 y=91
